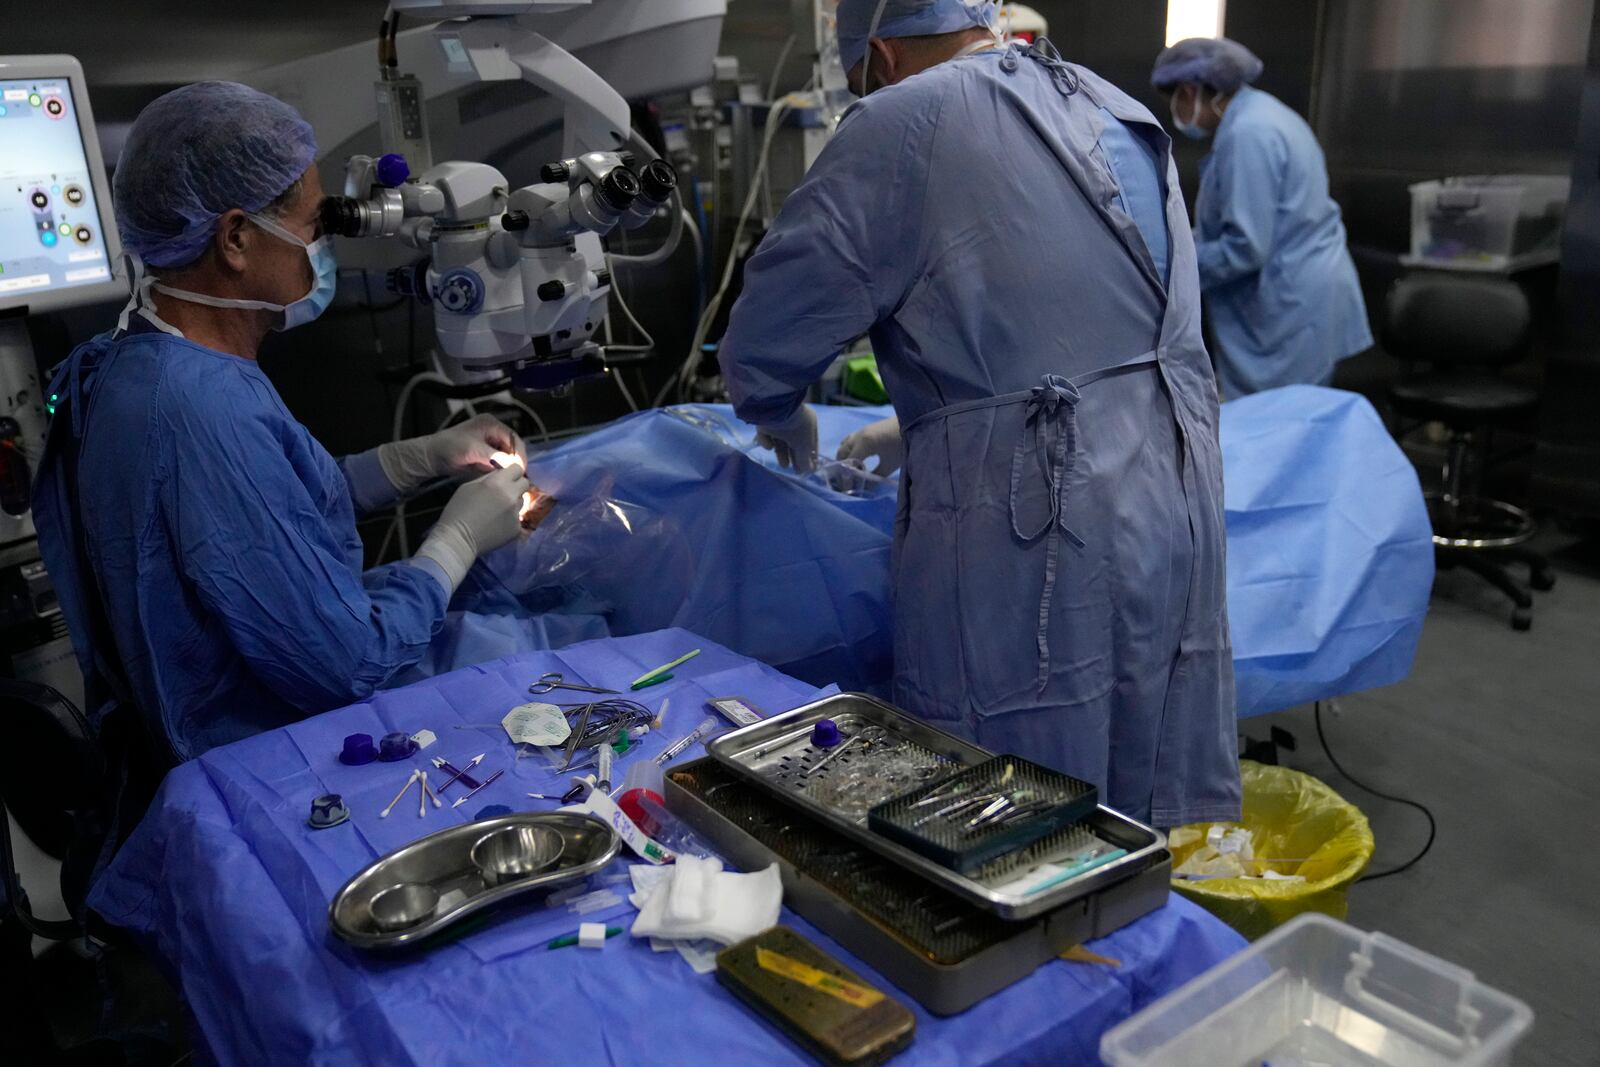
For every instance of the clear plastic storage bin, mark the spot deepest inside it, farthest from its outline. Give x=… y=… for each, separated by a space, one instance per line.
x=1490 y=223
x=1318 y=991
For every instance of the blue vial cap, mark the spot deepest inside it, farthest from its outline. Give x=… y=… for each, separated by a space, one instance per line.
x=825 y=734
x=393 y=170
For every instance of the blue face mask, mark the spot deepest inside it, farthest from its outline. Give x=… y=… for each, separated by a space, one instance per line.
x=1192 y=130
x=325 y=281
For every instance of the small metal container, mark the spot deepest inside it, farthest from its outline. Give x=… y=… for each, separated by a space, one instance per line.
x=423 y=888
x=402 y=906
x=515 y=852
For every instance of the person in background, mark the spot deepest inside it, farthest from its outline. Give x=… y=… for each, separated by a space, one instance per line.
x=1007 y=227
x=1280 y=288
x=202 y=542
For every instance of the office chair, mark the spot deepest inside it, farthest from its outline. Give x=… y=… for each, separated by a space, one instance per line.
x=1467 y=329
x=65 y=791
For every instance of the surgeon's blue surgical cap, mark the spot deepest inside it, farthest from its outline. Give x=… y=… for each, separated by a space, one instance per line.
x=1225 y=65
x=906 y=18
x=197 y=152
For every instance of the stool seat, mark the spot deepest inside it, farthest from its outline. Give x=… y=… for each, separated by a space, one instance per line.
x=1464 y=400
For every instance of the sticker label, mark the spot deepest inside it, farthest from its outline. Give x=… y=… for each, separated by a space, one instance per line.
x=735 y=711
x=823 y=982
x=604 y=808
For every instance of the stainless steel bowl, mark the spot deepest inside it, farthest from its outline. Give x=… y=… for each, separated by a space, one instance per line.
x=515 y=852
x=403 y=905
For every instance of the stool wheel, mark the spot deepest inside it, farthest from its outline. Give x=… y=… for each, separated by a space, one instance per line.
x=1542 y=580
x=1522 y=620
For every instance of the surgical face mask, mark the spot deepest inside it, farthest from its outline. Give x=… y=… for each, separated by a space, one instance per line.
x=324 y=271
x=1192 y=130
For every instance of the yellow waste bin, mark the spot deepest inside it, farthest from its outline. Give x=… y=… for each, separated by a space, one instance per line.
x=1300 y=828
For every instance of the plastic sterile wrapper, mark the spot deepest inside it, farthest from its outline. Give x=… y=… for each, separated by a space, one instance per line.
x=1314 y=842
x=596 y=554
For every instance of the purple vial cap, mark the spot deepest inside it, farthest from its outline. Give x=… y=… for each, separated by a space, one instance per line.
x=825 y=734
x=393 y=170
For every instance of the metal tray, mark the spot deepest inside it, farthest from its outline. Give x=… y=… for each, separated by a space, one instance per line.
x=774 y=753
x=940 y=949
x=443 y=863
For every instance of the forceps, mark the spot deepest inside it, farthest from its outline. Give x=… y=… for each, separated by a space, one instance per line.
x=553 y=680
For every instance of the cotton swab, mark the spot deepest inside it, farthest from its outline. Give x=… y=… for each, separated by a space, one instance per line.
x=429 y=790
x=422 y=796
x=384 y=814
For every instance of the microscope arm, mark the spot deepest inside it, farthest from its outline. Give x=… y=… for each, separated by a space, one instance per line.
x=596 y=116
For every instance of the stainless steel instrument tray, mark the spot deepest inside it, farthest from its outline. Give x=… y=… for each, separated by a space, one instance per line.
x=942 y=950
x=443 y=861
x=774 y=754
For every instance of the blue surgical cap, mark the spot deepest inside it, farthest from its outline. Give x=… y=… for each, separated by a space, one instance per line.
x=906 y=18
x=1225 y=65
x=197 y=152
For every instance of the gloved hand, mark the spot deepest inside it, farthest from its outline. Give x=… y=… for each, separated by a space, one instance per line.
x=462 y=449
x=795 y=441
x=881 y=439
x=481 y=516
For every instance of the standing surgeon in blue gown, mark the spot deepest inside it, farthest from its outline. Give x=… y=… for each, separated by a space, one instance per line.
x=203 y=543
x=1008 y=228
x=1281 y=289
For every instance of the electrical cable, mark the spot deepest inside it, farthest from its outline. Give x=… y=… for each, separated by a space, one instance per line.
x=622 y=387
x=1433 y=826
x=777 y=68
x=685 y=372
x=649 y=342
x=692 y=228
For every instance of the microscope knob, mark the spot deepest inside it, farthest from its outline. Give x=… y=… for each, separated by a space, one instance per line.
x=551 y=290
x=393 y=170
x=515 y=221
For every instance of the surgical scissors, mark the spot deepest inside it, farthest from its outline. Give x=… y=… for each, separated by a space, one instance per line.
x=553 y=680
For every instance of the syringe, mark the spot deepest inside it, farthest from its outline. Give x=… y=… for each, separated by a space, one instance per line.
x=700 y=733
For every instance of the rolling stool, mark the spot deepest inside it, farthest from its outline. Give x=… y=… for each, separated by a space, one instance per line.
x=1468 y=328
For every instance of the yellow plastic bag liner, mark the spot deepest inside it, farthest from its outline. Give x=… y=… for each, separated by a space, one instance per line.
x=1300 y=826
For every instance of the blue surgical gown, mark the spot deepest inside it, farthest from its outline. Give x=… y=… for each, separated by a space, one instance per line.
x=222 y=539
x=1059 y=555
x=1280 y=287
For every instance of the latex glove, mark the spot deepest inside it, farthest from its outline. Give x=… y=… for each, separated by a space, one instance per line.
x=460 y=450
x=481 y=516
x=795 y=441
x=881 y=439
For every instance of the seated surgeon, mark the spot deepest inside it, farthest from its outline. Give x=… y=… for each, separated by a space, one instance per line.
x=203 y=543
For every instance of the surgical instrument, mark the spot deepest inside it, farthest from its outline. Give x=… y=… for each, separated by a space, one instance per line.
x=486 y=782
x=577 y=736
x=830 y=757
x=699 y=734
x=553 y=680
x=384 y=814
x=460 y=775
x=664 y=668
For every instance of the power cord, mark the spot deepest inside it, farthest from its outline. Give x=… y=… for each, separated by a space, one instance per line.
x=1433 y=826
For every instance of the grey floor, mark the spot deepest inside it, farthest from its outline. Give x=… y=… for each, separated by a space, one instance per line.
x=1499 y=733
